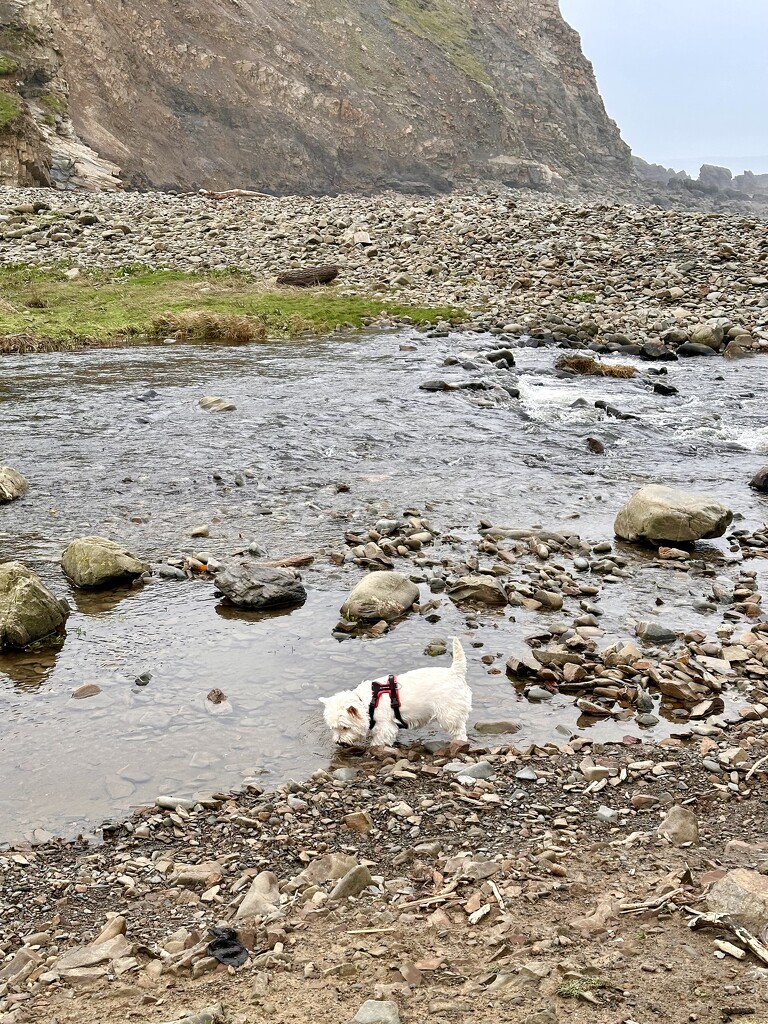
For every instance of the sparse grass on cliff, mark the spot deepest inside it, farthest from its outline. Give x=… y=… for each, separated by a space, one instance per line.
x=8 y=66
x=142 y=304
x=10 y=108
x=448 y=26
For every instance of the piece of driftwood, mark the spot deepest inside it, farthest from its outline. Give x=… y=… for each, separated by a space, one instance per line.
x=307 y=277
x=725 y=921
x=234 y=193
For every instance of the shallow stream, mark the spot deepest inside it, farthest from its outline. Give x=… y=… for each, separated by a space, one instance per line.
x=114 y=442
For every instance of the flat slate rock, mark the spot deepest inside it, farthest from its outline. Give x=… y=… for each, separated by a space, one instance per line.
x=260 y=587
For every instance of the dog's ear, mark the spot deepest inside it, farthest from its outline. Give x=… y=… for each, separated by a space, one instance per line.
x=353 y=712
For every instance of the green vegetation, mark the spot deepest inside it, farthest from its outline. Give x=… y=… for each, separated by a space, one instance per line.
x=53 y=105
x=51 y=311
x=581 y=297
x=8 y=66
x=573 y=987
x=10 y=108
x=448 y=26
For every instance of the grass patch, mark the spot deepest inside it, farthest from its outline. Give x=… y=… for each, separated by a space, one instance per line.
x=8 y=66
x=587 y=366
x=201 y=326
x=581 y=297
x=119 y=304
x=572 y=988
x=53 y=106
x=10 y=108
x=448 y=26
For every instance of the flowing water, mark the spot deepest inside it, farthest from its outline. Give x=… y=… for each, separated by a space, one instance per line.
x=114 y=442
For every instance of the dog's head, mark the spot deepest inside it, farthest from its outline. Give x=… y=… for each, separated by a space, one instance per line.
x=347 y=718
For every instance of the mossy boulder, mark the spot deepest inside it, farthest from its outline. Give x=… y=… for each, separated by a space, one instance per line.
x=12 y=484
x=98 y=562
x=28 y=610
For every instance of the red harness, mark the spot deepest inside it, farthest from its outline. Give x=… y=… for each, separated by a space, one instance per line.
x=377 y=692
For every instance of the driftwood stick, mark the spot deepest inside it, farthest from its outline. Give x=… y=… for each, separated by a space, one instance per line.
x=308 y=277
x=234 y=193
x=753 y=944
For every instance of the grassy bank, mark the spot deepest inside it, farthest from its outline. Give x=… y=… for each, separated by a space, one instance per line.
x=44 y=309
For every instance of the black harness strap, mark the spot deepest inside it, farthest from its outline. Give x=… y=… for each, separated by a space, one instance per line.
x=377 y=692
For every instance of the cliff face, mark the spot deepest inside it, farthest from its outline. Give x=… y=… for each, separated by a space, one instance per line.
x=304 y=95
x=38 y=143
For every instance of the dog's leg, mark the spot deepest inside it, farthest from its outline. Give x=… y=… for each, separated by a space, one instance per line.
x=454 y=721
x=384 y=734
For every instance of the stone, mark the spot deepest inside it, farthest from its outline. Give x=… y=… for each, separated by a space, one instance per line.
x=548 y=599
x=708 y=334
x=352 y=884
x=471 y=770
x=690 y=348
x=12 y=484
x=760 y=480
x=99 y=562
x=375 y=1011
x=260 y=587
x=659 y=514
x=115 y=926
x=741 y=892
x=655 y=633
x=22 y=964
x=359 y=821
x=210 y=1015
x=28 y=610
x=329 y=868
x=499 y=728
x=607 y=815
x=93 y=955
x=206 y=873
x=215 y=403
x=680 y=826
x=380 y=596
x=544 y=1016
x=86 y=690
x=262 y=899
x=478 y=589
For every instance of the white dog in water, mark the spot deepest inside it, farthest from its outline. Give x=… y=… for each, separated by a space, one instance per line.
x=376 y=710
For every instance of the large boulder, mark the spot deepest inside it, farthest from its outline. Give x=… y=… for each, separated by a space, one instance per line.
x=12 y=484
x=98 y=562
x=665 y=515
x=28 y=610
x=381 y=595
x=260 y=587
x=760 y=480
x=741 y=892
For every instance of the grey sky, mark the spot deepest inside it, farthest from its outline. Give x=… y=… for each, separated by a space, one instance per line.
x=686 y=80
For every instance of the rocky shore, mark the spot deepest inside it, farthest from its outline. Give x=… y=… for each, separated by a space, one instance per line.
x=533 y=884
x=610 y=880
x=611 y=277
x=536 y=885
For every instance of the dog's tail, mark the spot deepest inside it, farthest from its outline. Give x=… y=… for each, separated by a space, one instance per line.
x=459 y=663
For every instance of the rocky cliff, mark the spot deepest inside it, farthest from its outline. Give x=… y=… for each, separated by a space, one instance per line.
x=287 y=95
x=38 y=143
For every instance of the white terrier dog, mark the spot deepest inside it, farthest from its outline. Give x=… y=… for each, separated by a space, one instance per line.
x=377 y=709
